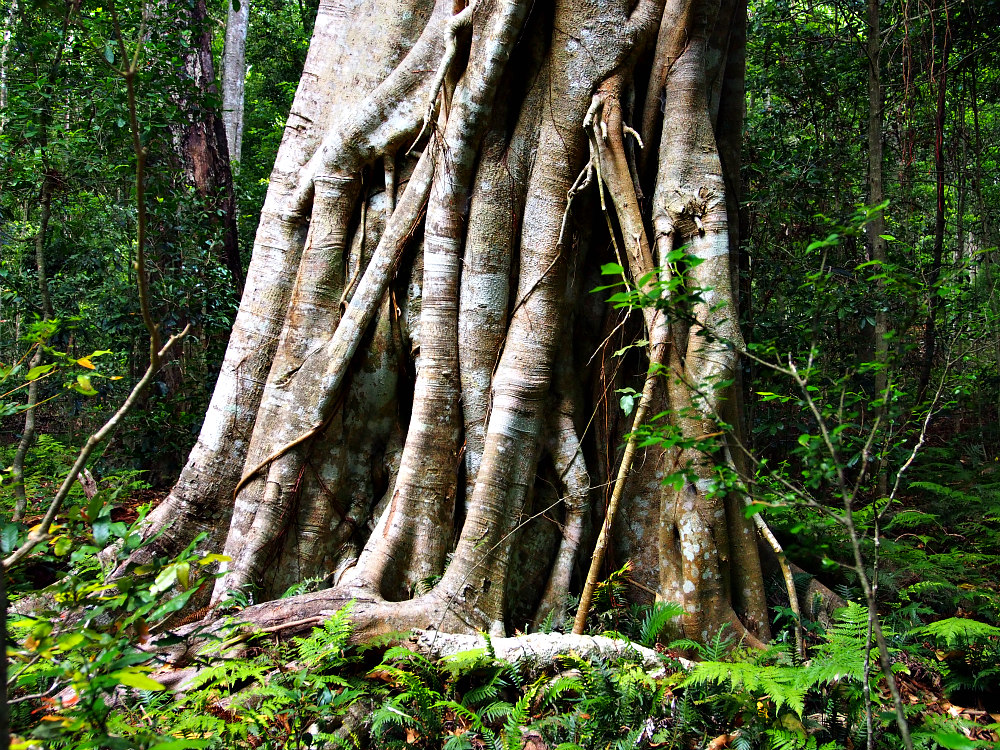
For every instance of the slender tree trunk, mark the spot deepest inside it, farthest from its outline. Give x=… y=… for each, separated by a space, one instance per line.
x=234 y=72
x=876 y=195
x=934 y=272
x=29 y=431
x=45 y=299
x=202 y=139
x=4 y=707
x=5 y=41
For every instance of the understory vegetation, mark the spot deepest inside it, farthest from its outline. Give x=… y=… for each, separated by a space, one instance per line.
x=856 y=439
x=82 y=659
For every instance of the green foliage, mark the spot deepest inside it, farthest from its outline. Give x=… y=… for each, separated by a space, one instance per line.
x=778 y=694
x=967 y=651
x=86 y=637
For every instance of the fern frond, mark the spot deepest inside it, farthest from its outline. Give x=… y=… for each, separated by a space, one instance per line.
x=954 y=631
x=781 y=684
x=229 y=673
x=496 y=711
x=518 y=717
x=329 y=640
x=302 y=587
x=658 y=616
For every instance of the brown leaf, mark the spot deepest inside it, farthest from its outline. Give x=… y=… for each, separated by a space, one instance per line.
x=533 y=741
x=721 y=741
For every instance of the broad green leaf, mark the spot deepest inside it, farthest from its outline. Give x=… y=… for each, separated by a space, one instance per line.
x=62 y=545
x=101 y=529
x=8 y=537
x=956 y=741
x=164 y=580
x=83 y=386
x=182 y=744
x=612 y=269
x=39 y=370
x=627 y=402
x=68 y=641
x=183 y=571
x=136 y=679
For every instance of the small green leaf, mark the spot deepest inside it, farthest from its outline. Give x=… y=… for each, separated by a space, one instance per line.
x=83 y=386
x=612 y=269
x=109 y=54
x=214 y=557
x=172 y=606
x=627 y=402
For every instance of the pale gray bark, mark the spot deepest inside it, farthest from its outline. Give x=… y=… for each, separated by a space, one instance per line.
x=234 y=73
x=430 y=308
x=6 y=37
x=201 y=500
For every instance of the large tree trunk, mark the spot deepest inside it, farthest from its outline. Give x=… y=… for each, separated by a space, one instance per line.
x=403 y=407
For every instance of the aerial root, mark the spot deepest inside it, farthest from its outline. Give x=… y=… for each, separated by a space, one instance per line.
x=455 y=24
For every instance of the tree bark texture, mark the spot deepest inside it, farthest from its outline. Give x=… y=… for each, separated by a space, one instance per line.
x=5 y=40
x=416 y=407
x=234 y=72
x=201 y=140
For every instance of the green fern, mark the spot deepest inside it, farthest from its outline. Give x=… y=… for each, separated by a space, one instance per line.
x=227 y=675
x=485 y=734
x=956 y=631
x=326 y=644
x=303 y=587
x=783 y=739
x=658 y=617
x=783 y=685
x=517 y=718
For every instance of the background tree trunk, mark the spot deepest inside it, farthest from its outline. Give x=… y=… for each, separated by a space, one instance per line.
x=202 y=138
x=234 y=73
x=400 y=413
x=5 y=39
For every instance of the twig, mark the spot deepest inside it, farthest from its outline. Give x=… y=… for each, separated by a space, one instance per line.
x=656 y=357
